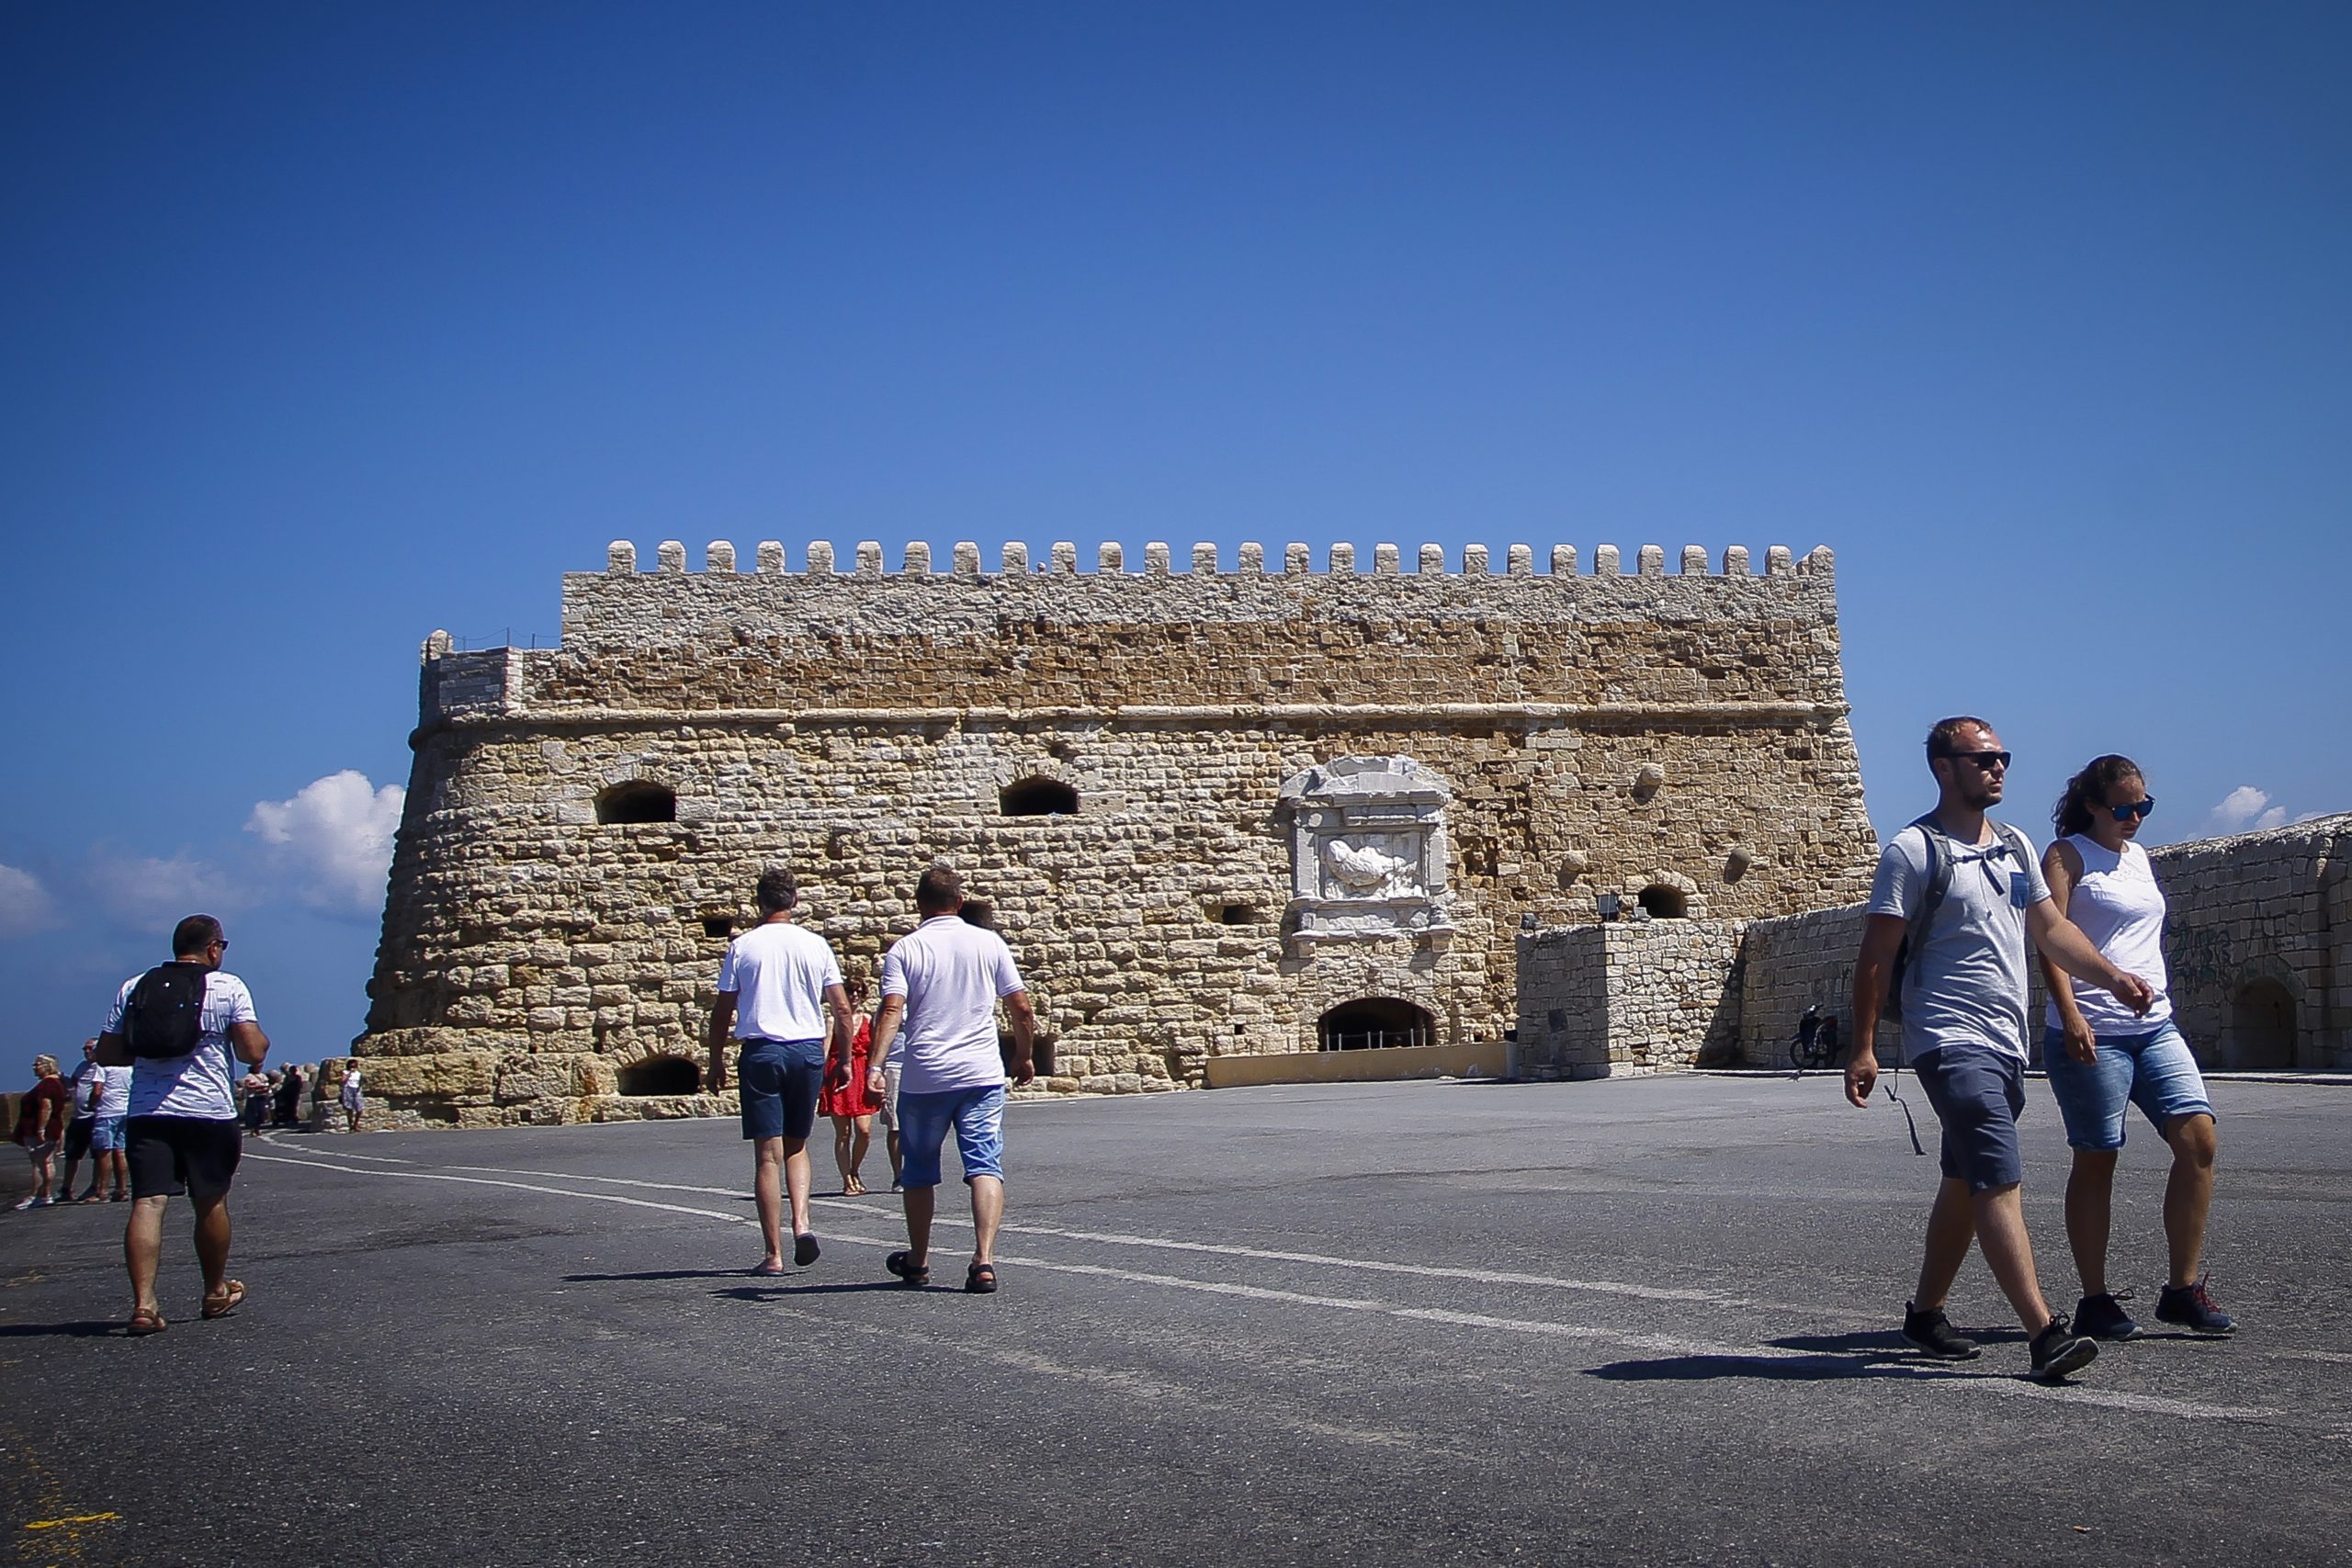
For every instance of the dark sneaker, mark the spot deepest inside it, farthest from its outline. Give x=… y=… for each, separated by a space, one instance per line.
x=1932 y=1333
x=2058 y=1350
x=2102 y=1317
x=2191 y=1308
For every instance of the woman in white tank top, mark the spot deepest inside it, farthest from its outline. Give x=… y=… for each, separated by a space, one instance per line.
x=2103 y=1059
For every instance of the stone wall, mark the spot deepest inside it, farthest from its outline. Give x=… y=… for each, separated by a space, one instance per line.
x=1576 y=733
x=1627 y=997
x=2256 y=945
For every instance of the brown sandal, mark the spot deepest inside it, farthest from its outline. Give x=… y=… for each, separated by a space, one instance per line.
x=233 y=1295
x=146 y=1320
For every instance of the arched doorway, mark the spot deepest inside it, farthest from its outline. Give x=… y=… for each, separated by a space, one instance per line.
x=1374 y=1023
x=660 y=1075
x=2262 y=1026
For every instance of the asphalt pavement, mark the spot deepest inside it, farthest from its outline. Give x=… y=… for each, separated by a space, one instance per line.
x=1641 y=1321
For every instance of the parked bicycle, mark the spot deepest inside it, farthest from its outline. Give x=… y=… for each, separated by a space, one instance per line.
x=1816 y=1043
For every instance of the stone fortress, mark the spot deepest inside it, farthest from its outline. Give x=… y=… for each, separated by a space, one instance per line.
x=1238 y=826
x=1222 y=814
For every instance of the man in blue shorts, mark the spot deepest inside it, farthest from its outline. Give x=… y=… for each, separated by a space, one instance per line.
x=1965 y=891
x=940 y=989
x=776 y=985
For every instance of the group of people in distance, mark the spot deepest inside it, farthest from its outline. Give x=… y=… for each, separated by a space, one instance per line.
x=83 y=1116
x=1944 y=943
x=931 y=1063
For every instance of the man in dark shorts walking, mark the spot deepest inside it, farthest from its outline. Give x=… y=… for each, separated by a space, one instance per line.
x=1965 y=891
x=776 y=985
x=181 y=1133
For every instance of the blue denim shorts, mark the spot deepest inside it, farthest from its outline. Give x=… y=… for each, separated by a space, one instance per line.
x=2154 y=1071
x=1978 y=1095
x=108 y=1135
x=778 y=1081
x=977 y=1116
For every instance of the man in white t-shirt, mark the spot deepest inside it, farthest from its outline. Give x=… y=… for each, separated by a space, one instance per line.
x=181 y=1131
x=777 y=987
x=108 y=1094
x=940 y=989
x=1963 y=994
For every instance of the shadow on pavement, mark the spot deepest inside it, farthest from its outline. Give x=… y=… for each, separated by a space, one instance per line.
x=89 y=1328
x=662 y=1274
x=770 y=1293
x=1826 y=1358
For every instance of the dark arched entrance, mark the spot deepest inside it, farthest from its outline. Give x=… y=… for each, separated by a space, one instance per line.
x=2262 y=1026
x=1373 y=1023
x=660 y=1075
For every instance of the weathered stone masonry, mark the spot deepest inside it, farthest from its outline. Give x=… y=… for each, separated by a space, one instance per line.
x=1528 y=739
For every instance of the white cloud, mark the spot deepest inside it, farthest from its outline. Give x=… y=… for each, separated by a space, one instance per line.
x=24 y=905
x=2247 y=809
x=334 y=837
x=153 y=894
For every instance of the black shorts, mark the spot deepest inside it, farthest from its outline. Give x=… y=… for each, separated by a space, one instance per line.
x=171 y=1154
x=77 y=1137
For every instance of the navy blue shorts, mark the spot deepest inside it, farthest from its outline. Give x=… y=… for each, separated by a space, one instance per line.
x=778 y=1081
x=1978 y=1095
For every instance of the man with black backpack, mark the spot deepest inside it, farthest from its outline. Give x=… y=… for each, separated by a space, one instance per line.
x=1944 y=949
x=175 y=1027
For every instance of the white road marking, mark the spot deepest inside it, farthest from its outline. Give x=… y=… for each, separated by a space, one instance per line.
x=2149 y=1405
x=1117 y=1238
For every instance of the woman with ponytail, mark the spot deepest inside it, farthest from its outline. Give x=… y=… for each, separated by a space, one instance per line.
x=2102 y=1059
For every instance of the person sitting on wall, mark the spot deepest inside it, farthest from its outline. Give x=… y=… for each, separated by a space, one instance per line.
x=776 y=985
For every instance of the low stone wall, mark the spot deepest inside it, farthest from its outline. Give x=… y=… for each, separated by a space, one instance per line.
x=1485 y=1059
x=1621 y=999
x=2256 y=945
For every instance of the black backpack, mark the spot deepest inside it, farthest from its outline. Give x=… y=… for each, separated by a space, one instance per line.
x=164 y=1016
x=1940 y=864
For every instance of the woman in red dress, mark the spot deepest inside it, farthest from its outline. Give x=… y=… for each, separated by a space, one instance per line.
x=844 y=1098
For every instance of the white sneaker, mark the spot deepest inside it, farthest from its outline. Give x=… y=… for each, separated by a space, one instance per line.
x=28 y=1203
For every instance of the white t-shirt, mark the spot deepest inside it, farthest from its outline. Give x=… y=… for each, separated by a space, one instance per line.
x=199 y=1084
x=778 y=973
x=951 y=973
x=2118 y=905
x=89 y=1083
x=114 y=1092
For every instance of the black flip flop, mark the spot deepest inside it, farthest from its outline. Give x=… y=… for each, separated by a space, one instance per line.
x=980 y=1279
x=902 y=1265
x=804 y=1249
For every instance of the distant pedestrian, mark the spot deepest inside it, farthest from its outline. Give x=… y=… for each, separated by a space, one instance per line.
x=87 y=1082
x=285 y=1110
x=777 y=987
x=2103 y=1058
x=109 y=1091
x=256 y=1090
x=352 y=1096
x=845 y=1098
x=1965 y=891
x=175 y=1027
x=41 y=1116
x=941 y=985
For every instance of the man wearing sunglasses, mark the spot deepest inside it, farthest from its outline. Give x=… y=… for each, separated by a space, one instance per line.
x=1965 y=892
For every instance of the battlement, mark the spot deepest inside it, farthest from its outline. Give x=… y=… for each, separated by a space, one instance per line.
x=1431 y=560
x=1039 y=634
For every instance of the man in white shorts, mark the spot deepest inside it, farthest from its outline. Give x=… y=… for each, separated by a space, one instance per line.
x=943 y=984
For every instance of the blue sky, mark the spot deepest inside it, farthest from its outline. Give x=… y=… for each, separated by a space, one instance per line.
x=324 y=327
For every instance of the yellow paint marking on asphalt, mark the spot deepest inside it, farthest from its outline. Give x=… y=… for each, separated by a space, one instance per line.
x=106 y=1519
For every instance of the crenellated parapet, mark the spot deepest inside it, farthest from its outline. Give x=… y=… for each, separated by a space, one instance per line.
x=1431 y=560
x=1266 y=633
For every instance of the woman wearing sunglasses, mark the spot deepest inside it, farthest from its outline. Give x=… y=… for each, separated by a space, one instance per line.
x=2102 y=1059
